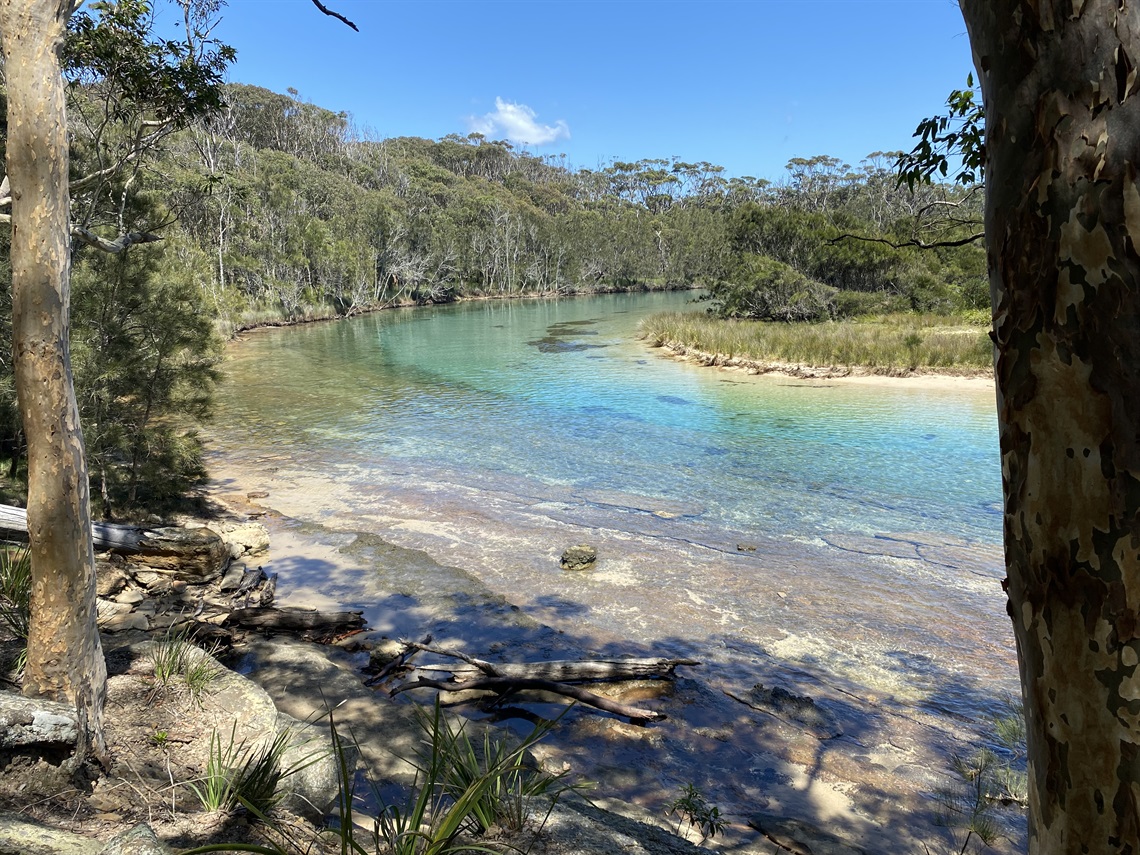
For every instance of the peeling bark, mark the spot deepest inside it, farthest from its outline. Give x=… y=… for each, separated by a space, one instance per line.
x=65 y=658
x=1062 y=105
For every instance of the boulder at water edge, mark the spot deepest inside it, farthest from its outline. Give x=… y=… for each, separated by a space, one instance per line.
x=581 y=557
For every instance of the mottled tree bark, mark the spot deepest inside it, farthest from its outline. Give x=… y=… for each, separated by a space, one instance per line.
x=65 y=658
x=1062 y=102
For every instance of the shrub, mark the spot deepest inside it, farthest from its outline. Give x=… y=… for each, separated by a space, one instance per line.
x=769 y=290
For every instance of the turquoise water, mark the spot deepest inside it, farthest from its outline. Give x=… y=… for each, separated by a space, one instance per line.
x=838 y=539
x=562 y=393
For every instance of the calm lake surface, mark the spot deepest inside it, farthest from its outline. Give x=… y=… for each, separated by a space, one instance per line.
x=844 y=534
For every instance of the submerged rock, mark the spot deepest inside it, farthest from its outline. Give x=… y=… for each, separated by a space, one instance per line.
x=580 y=557
x=795 y=709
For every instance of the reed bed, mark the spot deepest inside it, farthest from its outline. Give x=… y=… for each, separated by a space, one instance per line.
x=886 y=344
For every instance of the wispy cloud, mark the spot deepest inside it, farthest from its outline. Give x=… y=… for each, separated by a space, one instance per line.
x=519 y=124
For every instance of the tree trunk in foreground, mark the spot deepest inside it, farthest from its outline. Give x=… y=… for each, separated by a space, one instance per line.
x=65 y=658
x=1062 y=101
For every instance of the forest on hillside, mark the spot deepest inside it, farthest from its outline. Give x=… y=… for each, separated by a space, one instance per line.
x=241 y=206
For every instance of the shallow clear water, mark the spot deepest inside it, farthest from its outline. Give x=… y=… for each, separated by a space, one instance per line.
x=561 y=392
x=852 y=529
x=839 y=539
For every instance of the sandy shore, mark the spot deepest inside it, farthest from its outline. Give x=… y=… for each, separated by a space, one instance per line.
x=478 y=570
x=922 y=378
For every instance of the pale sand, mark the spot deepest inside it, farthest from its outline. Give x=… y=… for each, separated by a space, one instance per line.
x=783 y=372
x=479 y=567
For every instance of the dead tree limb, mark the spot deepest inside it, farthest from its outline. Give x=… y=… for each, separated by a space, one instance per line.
x=566 y=670
x=508 y=685
x=336 y=15
x=294 y=619
x=411 y=648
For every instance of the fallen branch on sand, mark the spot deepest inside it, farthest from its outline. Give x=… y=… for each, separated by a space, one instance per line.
x=555 y=677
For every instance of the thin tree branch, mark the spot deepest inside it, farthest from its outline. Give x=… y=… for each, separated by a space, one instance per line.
x=915 y=242
x=116 y=246
x=333 y=14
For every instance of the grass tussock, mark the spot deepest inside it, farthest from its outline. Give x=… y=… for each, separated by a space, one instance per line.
x=885 y=344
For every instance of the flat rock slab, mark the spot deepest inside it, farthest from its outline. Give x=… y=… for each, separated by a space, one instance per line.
x=30 y=721
x=576 y=827
x=800 y=838
x=22 y=837
x=19 y=836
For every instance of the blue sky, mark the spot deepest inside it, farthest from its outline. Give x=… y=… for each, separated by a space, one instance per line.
x=747 y=84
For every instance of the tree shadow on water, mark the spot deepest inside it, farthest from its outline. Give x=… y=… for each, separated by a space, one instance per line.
x=864 y=767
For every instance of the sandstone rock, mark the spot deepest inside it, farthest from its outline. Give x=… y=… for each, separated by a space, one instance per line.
x=110 y=578
x=312 y=784
x=581 y=557
x=795 y=709
x=130 y=597
x=20 y=836
x=139 y=840
x=124 y=622
x=32 y=721
x=245 y=538
x=195 y=555
x=253 y=720
x=233 y=576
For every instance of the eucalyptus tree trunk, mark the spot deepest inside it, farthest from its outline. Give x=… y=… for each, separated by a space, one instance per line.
x=1062 y=102
x=65 y=658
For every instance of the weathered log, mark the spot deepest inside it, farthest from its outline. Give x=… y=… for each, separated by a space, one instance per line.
x=193 y=554
x=571 y=671
x=507 y=685
x=250 y=579
x=399 y=663
x=295 y=619
x=121 y=538
x=268 y=591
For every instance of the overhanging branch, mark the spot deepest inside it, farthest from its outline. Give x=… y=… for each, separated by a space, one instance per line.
x=333 y=14
x=915 y=242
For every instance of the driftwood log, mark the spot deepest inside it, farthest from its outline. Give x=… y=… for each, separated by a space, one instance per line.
x=556 y=677
x=510 y=685
x=195 y=554
x=572 y=671
x=296 y=620
x=114 y=536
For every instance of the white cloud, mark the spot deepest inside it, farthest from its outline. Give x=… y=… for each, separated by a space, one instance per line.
x=519 y=124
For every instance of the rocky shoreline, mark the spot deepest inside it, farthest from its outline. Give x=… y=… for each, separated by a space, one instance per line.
x=158 y=740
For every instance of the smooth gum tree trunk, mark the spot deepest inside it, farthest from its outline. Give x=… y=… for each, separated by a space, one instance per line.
x=65 y=658
x=1062 y=103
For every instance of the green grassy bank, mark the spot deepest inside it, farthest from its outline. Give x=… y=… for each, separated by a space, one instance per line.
x=887 y=344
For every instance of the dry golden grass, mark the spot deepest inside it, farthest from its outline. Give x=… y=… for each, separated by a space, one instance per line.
x=886 y=344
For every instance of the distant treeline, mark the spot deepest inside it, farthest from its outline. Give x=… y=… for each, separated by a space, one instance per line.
x=273 y=209
x=299 y=215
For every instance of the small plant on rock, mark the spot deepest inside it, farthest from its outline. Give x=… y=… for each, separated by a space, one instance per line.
x=459 y=792
x=693 y=809
x=175 y=659
x=984 y=781
x=239 y=775
x=510 y=784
